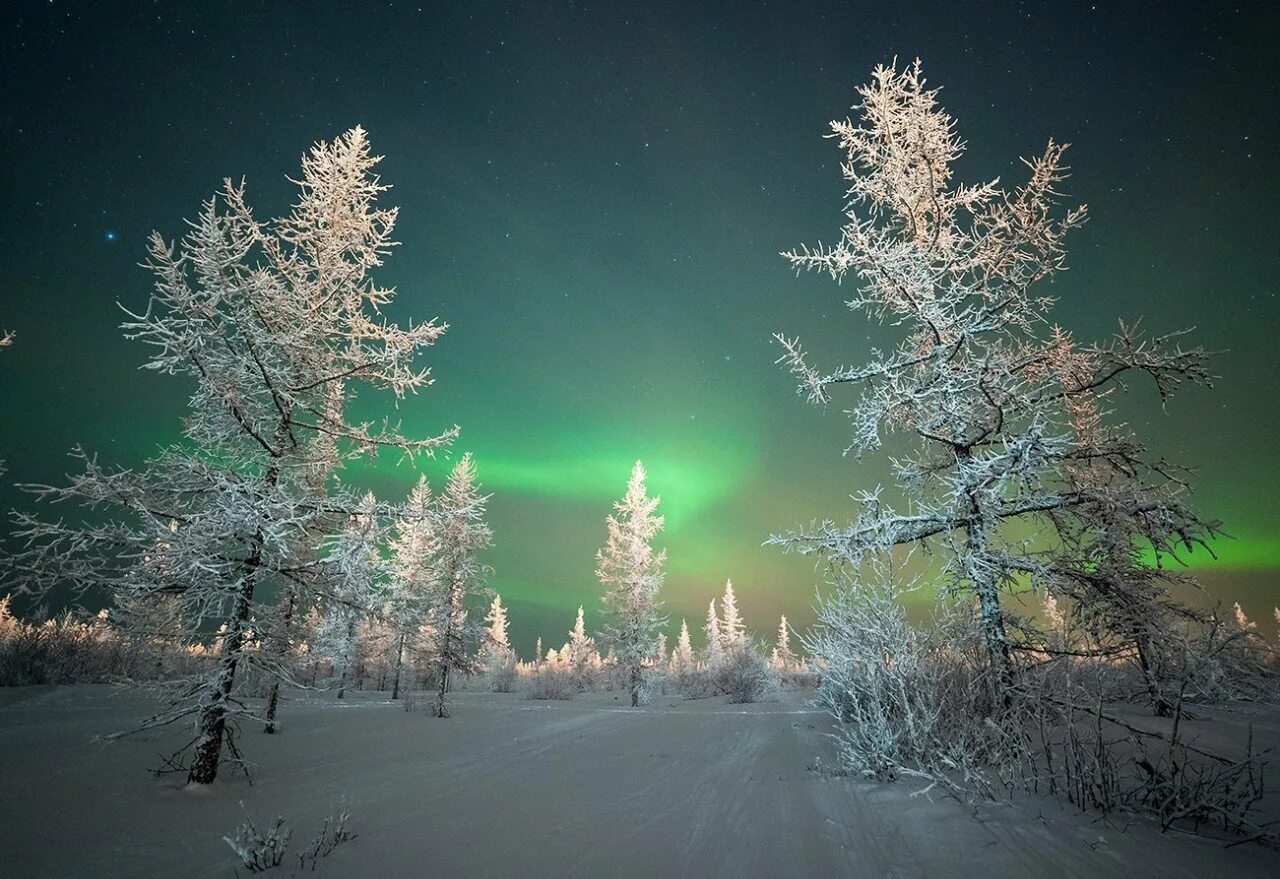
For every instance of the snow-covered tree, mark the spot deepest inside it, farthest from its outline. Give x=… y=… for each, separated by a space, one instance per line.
x=715 y=643
x=496 y=641
x=682 y=659
x=413 y=583
x=582 y=647
x=460 y=576
x=733 y=632
x=302 y=589
x=353 y=557
x=632 y=575
x=983 y=387
x=276 y=323
x=783 y=657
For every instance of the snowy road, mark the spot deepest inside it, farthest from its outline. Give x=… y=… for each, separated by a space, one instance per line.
x=508 y=787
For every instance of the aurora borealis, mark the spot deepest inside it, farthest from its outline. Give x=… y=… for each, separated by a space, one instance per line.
x=593 y=197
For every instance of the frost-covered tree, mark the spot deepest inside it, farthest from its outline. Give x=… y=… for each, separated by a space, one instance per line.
x=276 y=324
x=733 y=631
x=497 y=644
x=682 y=659
x=582 y=647
x=783 y=657
x=460 y=576
x=715 y=643
x=632 y=575
x=413 y=582
x=980 y=386
x=356 y=566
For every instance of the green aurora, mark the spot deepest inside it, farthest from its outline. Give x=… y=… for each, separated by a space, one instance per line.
x=599 y=220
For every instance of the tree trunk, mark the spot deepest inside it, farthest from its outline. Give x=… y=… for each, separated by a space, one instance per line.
x=348 y=659
x=981 y=574
x=1163 y=707
x=635 y=686
x=280 y=646
x=395 y=681
x=212 y=724
x=441 y=710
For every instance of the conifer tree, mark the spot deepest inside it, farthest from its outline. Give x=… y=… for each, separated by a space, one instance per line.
x=715 y=643
x=581 y=646
x=783 y=657
x=733 y=632
x=497 y=646
x=353 y=556
x=632 y=575
x=413 y=583
x=682 y=660
x=460 y=576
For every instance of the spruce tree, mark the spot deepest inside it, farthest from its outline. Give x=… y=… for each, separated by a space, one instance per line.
x=632 y=575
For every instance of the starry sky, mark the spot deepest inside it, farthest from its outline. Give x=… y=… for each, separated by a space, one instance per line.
x=594 y=196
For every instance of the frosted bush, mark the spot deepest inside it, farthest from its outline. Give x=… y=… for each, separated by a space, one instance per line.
x=551 y=683
x=744 y=675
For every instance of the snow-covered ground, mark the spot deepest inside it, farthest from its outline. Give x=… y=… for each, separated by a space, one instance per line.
x=510 y=787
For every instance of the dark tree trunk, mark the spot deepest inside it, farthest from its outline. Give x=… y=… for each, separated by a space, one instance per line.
x=280 y=646
x=441 y=709
x=212 y=724
x=1163 y=707
x=395 y=681
x=981 y=573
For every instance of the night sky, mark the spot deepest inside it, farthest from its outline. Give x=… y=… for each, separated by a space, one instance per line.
x=594 y=196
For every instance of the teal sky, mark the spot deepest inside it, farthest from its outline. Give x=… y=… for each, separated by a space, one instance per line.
x=593 y=197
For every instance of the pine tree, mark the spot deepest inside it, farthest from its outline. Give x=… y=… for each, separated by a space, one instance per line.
x=277 y=324
x=783 y=657
x=983 y=386
x=632 y=575
x=733 y=632
x=413 y=583
x=581 y=646
x=497 y=645
x=715 y=643
x=354 y=560
x=682 y=660
x=460 y=575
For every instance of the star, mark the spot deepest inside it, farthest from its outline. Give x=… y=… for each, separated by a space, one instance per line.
x=110 y=236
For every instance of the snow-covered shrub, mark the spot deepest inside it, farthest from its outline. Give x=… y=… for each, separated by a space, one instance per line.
x=333 y=833
x=744 y=675
x=1221 y=658
x=73 y=650
x=906 y=699
x=259 y=851
x=551 y=682
x=502 y=675
x=918 y=701
x=696 y=684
